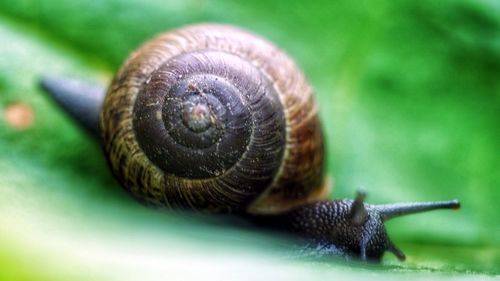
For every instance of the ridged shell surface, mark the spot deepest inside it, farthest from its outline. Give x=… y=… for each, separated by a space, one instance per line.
x=211 y=117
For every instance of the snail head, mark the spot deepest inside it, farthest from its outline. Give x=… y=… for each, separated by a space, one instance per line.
x=353 y=228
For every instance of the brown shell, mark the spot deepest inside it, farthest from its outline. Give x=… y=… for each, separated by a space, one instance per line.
x=298 y=176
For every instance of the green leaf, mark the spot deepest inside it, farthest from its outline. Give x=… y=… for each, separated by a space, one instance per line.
x=409 y=99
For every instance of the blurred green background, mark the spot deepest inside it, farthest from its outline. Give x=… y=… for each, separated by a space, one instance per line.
x=409 y=98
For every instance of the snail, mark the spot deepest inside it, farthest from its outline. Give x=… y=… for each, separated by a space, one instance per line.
x=213 y=118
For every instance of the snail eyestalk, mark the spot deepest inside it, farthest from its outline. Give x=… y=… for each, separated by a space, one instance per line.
x=359 y=214
x=389 y=211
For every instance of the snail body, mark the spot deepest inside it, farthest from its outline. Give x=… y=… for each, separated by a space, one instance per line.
x=213 y=118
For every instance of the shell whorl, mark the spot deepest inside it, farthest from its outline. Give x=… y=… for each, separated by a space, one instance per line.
x=211 y=117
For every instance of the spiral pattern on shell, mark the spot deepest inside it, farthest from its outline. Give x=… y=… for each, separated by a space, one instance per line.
x=211 y=117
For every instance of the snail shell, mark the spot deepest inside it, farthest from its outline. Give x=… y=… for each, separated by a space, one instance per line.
x=214 y=118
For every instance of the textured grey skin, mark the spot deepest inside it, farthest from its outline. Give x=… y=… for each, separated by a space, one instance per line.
x=329 y=228
x=79 y=99
x=349 y=228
